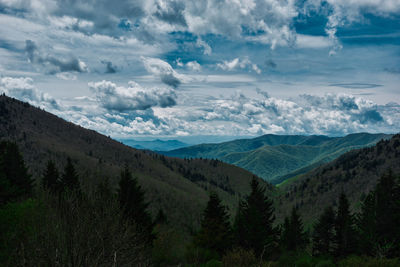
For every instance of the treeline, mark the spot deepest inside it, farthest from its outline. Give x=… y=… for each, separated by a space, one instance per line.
x=56 y=222
x=370 y=237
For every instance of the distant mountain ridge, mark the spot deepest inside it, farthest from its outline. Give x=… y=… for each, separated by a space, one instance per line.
x=155 y=145
x=279 y=157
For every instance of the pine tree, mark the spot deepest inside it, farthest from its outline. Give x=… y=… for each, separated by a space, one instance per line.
x=324 y=233
x=293 y=236
x=133 y=204
x=15 y=182
x=70 y=179
x=254 y=227
x=51 y=177
x=215 y=232
x=344 y=226
x=378 y=222
x=366 y=225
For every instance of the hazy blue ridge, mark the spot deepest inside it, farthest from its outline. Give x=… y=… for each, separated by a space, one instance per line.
x=279 y=157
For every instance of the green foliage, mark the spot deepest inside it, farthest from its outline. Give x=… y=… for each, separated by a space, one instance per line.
x=51 y=177
x=71 y=231
x=293 y=236
x=215 y=233
x=345 y=236
x=239 y=257
x=378 y=226
x=15 y=226
x=368 y=262
x=70 y=178
x=133 y=204
x=15 y=182
x=324 y=233
x=198 y=255
x=169 y=246
x=279 y=157
x=254 y=224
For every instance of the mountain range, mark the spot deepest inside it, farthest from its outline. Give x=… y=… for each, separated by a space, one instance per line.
x=155 y=145
x=276 y=158
x=179 y=187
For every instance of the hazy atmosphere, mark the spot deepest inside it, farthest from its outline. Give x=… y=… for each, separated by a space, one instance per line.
x=221 y=68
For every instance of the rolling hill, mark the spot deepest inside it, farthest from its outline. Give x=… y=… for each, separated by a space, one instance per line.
x=276 y=158
x=180 y=187
x=355 y=173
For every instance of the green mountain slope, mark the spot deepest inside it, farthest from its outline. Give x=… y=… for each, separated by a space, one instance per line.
x=354 y=173
x=180 y=187
x=279 y=157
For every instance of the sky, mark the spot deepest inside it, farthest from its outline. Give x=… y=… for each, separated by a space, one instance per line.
x=220 y=68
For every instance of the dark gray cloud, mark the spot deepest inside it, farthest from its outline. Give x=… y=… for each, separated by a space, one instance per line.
x=171 y=12
x=269 y=63
x=356 y=85
x=51 y=63
x=110 y=68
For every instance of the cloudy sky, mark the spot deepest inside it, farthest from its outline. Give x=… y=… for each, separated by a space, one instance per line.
x=176 y=68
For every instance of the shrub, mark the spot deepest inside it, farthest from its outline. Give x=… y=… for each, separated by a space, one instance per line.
x=239 y=257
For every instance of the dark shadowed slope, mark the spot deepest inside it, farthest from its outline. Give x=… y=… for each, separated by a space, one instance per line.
x=279 y=157
x=355 y=173
x=179 y=186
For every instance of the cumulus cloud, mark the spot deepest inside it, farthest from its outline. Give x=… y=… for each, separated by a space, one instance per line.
x=164 y=70
x=133 y=97
x=23 y=89
x=193 y=65
x=237 y=63
x=52 y=63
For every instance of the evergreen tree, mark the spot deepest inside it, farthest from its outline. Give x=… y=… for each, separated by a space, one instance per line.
x=15 y=182
x=344 y=226
x=378 y=222
x=293 y=236
x=254 y=227
x=215 y=232
x=133 y=204
x=51 y=177
x=70 y=179
x=324 y=233
x=366 y=225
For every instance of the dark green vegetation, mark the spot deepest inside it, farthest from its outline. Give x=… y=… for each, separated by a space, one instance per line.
x=355 y=173
x=171 y=184
x=77 y=198
x=279 y=157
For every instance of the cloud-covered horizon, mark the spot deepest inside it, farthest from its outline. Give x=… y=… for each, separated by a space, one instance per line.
x=125 y=111
x=185 y=67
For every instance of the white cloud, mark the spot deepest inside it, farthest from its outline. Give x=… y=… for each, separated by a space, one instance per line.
x=23 y=89
x=193 y=65
x=133 y=97
x=237 y=63
x=164 y=70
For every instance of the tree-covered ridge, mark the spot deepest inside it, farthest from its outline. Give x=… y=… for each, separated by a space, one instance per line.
x=277 y=158
x=355 y=173
x=171 y=183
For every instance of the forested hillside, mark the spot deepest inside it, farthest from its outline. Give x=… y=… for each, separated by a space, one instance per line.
x=171 y=184
x=354 y=173
x=276 y=158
